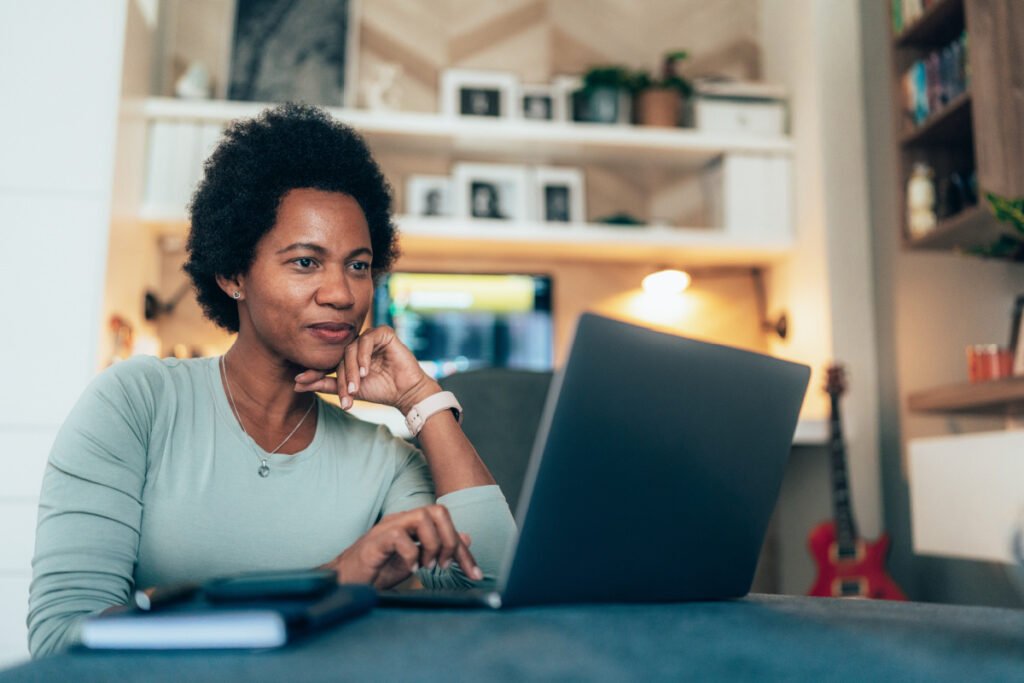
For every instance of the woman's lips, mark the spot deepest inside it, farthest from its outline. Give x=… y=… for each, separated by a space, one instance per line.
x=332 y=333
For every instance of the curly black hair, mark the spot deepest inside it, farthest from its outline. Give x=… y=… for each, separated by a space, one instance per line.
x=257 y=162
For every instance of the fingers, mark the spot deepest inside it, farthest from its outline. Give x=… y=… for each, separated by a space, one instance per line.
x=345 y=387
x=452 y=546
x=430 y=540
x=324 y=385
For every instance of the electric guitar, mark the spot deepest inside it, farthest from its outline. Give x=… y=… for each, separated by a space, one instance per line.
x=848 y=566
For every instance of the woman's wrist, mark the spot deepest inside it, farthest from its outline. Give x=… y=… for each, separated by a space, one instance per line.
x=424 y=388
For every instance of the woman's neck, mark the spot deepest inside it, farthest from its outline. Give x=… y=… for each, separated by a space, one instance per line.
x=263 y=385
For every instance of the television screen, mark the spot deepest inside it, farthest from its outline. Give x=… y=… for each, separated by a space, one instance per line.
x=456 y=322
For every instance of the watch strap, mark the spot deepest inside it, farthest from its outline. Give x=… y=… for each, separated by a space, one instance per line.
x=431 y=405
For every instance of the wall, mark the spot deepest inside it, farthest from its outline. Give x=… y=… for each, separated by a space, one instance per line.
x=812 y=47
x=55 y=184
x=929 y=307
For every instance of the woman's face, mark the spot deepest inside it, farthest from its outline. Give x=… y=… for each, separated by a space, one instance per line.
x=310 y=286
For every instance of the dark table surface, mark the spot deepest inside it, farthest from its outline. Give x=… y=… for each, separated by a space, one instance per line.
x=759 y=637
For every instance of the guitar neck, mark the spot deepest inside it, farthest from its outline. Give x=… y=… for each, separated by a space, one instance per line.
x=842 y=508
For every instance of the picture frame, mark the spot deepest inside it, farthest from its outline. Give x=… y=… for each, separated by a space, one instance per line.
x=1017 y=336
x=565 y=88
x=541 y=103
x=479 y=94
x=558 y=195
x=497 y=192
x=307 y=53
x=428 y=195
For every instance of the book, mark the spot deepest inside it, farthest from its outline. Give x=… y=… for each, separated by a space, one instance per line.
x=202 y=623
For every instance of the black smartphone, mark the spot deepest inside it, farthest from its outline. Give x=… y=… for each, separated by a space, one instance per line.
x=300 y=583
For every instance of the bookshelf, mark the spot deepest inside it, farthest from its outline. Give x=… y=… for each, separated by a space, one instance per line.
x=978 y=130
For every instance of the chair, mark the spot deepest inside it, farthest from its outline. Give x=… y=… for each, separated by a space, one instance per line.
x=502 y=412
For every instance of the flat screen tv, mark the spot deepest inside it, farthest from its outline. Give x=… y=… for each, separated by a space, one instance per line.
x=454 y=322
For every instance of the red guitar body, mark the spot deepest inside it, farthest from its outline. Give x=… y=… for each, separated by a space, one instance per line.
x=863 y=576
x=848 y=566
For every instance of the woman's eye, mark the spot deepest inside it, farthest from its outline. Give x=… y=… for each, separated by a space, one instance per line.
x=361 y=265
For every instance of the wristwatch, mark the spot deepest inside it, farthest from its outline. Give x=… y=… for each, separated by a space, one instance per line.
x=432 y=405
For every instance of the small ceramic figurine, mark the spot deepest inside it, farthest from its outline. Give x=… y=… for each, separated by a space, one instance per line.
x=382 y=92
x=920 y=200
x=194 y=84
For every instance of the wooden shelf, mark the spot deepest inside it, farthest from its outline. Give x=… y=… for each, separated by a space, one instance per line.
x=951 y=124
x=502 y=140
x=997 y=397
x=939 y=24
x=595 y=243
x=974 y=226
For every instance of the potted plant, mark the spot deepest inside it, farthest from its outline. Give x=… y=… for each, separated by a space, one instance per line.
x=660 y=100
x=604 y=97
x=1009 y=245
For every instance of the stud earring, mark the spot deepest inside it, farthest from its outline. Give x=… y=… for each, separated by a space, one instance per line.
x=236 y=294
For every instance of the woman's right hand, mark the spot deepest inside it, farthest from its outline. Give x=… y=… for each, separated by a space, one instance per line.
x=403 y=542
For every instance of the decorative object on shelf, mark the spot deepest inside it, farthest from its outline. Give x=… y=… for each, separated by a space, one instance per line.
x=294 y=50
x=122 y=337
x=739 y=107
x=194 y=84
x=986 y=362
x=428 y=195
x=660 y=100
x=565 y=88
x=920 y=201
x=1009 y=245
x=542 y=103
x=491 y=191
x=604 y=96
x=485 y=94
x=848 y=566
x=558 y=195
x=620 y=219
x=381 y=92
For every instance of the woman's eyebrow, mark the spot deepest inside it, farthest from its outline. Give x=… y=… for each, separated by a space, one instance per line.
x=307 y=246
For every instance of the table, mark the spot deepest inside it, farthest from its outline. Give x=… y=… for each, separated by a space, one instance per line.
x=759 y=637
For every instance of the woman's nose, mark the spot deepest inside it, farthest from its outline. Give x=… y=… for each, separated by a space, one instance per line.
x=335 y=291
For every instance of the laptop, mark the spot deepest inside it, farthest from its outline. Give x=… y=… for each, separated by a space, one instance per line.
x=654 y=473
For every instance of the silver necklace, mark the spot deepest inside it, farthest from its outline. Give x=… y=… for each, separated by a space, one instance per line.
x=264 y=469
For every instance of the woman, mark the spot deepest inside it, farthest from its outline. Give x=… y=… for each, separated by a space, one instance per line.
x=172 y=470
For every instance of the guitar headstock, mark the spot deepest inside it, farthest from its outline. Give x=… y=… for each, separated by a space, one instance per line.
x=835 y=382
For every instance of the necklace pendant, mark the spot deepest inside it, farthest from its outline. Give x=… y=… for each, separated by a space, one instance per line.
x=264 y=469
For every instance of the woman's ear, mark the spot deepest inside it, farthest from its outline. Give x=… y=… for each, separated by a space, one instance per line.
x=232 y=286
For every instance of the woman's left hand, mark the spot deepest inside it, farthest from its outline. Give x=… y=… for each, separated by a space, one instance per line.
x=377 y=367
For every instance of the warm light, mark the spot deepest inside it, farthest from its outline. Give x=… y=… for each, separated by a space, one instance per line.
x=666 y=282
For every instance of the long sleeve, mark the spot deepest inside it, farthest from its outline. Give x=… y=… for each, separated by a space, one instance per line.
x=480 y=511
x=90 y=508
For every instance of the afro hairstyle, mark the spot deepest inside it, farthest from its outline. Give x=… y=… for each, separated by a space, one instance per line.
x=258 y=161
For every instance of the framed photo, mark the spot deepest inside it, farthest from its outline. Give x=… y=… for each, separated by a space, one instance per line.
x=565 y=87
x=301 y=50
x=491 y=191
x=558 y=195
x=1017 y=336
x=481 y=94
x=428 y=195
x=541 y=103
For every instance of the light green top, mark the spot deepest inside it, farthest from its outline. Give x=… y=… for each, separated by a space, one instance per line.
x=152 y=481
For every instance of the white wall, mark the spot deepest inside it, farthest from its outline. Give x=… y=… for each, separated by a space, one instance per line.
x=60 y=68
x=813 y=48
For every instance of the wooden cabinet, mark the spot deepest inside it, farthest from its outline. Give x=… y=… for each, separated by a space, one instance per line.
x=980 y=129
